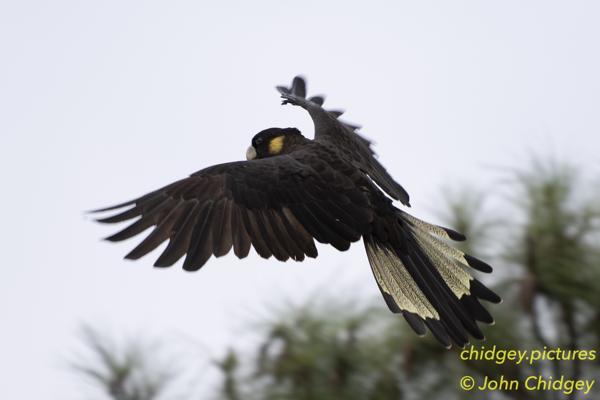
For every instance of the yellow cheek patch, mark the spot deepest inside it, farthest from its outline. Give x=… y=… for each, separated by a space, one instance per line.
x=275 y=145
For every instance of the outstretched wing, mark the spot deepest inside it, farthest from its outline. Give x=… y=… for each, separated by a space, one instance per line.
x=277 y=205
x=328 y=128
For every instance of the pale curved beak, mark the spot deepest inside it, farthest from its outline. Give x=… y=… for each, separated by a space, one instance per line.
x=251 y=153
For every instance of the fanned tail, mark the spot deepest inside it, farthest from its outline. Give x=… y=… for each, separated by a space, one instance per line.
x=427 y=280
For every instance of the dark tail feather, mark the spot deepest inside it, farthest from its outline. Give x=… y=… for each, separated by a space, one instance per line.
x=429 y=281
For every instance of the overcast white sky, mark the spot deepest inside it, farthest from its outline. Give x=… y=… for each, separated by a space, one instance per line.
x=104 y=101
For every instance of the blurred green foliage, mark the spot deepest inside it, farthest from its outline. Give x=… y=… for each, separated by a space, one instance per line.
x=122 y=373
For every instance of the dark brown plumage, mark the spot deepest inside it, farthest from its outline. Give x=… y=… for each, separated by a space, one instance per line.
x=292 y=191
